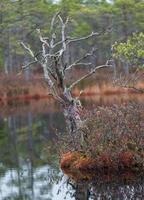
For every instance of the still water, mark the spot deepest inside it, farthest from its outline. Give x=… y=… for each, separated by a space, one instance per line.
x=29 y=156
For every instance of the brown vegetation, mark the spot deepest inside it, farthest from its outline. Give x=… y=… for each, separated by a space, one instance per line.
x=113 y=141
x=107 y=89
x=79 y=167
x=13 y=87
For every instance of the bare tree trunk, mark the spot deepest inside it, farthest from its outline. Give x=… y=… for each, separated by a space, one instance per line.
x=31 y=153
x=55 y=62
x=72 y=116
x=13 y=138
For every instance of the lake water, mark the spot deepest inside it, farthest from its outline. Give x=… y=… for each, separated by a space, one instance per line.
x=29 y=158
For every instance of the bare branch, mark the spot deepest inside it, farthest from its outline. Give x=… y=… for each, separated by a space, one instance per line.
x=28 y=49
x=63 y=32
x=61 y=41
x=69 y=40
x=46 y=69
x=26 y=66
x=90 y=35
x=29 y=64
x=84 y=38
x=87 y=75
x=53 y=21
x=42 y=39
x=37 y=54
x=77 y=62
x=53 y=75
x=53 y=40
x=53 y=34
x=130 y=82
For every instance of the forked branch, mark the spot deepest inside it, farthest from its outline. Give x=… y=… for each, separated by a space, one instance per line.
x=87 y=75
x=53 y=58
x=78 y=61
x=90 y=36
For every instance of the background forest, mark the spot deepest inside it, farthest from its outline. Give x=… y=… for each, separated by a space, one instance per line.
x=20 y=18
x=35 y=144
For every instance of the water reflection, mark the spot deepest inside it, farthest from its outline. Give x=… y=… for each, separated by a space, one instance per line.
x=96 y=190
x=29 y=160
x=28 y=157
x=118 y=190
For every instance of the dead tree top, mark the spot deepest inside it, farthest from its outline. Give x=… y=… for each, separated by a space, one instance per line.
x=53 y=58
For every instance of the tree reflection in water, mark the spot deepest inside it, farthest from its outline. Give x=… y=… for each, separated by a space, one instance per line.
x=28 y=157
x=29 y=164
x=117 y=190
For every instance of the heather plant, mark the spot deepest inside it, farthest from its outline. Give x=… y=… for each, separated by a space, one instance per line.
x=113 y=139
x=115 y=129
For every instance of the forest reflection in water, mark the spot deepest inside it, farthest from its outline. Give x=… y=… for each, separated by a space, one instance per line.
x=29 y=159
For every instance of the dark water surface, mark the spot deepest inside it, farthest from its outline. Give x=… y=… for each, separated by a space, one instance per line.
x=29 y=159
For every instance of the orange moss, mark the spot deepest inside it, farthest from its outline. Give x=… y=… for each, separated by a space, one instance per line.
x=84 y=164
x=74 y=165
x=68 y=159
x=78 y=166
x=75 y=160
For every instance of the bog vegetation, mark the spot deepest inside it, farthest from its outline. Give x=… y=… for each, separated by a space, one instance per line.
x=89 y=35
x=113 y=142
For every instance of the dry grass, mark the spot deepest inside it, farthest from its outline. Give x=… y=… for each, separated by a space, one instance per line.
x=16 y=87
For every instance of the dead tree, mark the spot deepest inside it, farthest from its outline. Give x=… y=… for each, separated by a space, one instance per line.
x=53 y=60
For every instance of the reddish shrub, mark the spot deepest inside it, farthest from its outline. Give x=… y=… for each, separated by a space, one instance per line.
x=104 y=161
x=126 y=158
x=112 y=140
